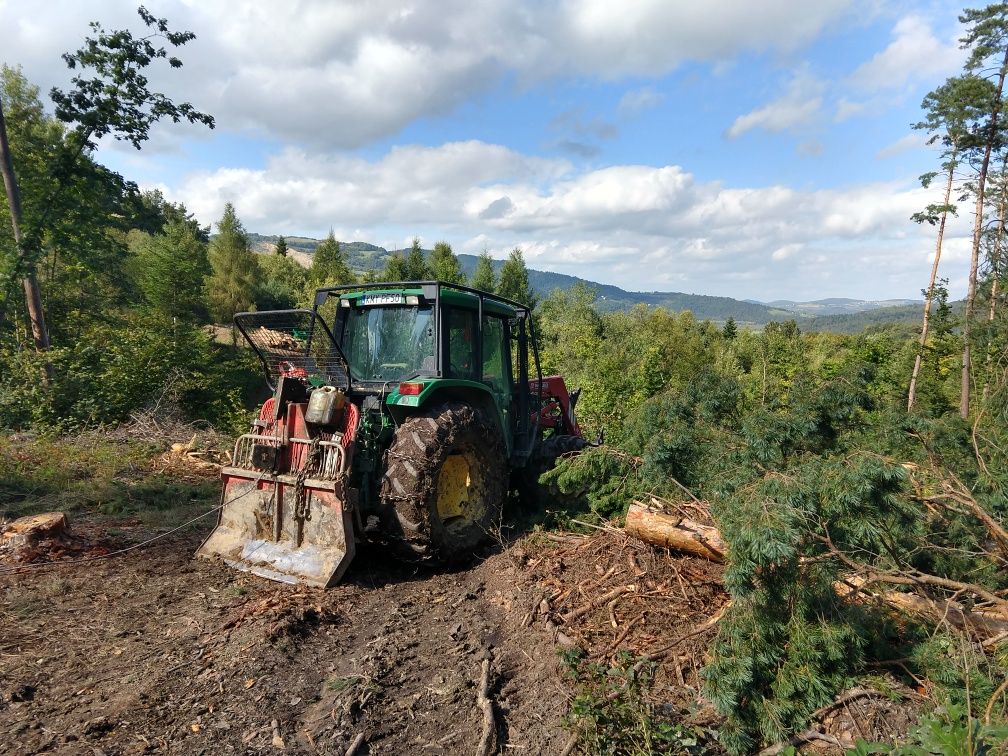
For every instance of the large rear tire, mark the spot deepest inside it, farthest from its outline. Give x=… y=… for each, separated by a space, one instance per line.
x=444 y=483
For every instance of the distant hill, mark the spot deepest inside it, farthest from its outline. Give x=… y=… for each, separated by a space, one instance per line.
x=837 y=306
x=856 y=322
x=838 y=314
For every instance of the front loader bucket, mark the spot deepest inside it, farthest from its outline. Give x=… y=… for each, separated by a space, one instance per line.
x=259 y=529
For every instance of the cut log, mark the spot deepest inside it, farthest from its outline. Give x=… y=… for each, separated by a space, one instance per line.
x=682 y=534
x=675 y=532
x=982 y=624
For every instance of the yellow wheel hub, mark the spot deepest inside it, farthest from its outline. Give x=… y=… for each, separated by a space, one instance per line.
x=457 y=495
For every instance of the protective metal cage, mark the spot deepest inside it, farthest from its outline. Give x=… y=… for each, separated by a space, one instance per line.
x=294 y=343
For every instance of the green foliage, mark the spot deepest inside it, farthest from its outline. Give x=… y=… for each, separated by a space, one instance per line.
x=801 y=446
x=417 y=268
x=235 y=275
x=444 y=264
x=730 y=330
x=329 y=266
x=613 y=715
x=395 y=268
x=152 y=212
x=115 y=368
x=116 y=99
x=281 y=247
x=484 y=277
x=284 y=284
x=171 y=267
x=514 y=279
x=73 y=218
x=949 y=731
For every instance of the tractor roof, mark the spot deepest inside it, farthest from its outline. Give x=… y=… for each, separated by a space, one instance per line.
x=451 y=294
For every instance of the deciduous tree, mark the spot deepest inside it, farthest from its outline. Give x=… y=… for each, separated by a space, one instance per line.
x=111 y=96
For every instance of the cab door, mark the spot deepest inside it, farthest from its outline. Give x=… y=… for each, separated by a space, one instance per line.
x=496 y=369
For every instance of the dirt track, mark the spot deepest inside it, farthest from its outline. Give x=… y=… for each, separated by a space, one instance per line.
x=155 y=652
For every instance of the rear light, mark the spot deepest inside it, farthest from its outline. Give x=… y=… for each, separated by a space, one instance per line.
x=412 y=300
x=410 y=389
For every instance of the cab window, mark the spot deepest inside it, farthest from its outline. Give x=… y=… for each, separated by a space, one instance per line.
x=462 y=344
x=496 y=363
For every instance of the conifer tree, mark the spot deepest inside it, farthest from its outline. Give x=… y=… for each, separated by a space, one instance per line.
x=730 y=330
x=235 y=271
x=395 y=268
x=986 y=40
x=329 y=266
x=484 y=277
x=950 y=111
x=416 y=267
x=172 y=266
x=281 y=247
x=444 y=264
x=514 y=280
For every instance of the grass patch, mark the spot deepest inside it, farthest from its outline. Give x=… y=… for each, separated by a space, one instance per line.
x=93 y=474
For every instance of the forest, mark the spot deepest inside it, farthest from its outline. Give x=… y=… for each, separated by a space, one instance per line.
x=843 y=471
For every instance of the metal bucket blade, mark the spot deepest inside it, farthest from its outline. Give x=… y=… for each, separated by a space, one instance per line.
x=315 y=550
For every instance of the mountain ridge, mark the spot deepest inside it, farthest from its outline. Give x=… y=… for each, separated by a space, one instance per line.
x=363 y=256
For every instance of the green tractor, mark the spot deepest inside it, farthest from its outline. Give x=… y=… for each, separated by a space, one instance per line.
x=403 y=413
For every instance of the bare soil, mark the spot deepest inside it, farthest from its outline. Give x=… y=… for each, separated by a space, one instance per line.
x=153 y=651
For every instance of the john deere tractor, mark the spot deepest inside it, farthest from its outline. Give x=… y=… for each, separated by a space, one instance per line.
x=401 y=412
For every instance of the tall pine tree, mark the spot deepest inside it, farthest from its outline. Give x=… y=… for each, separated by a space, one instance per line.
x=986 y=39
x=416 y=266
x=950 y=112
x=514 y=280
x=395 y=268
x=444 y=264
x=484 y=277
x=329 y=266
x=281 y=247
x=171 y=268
x=235 y=272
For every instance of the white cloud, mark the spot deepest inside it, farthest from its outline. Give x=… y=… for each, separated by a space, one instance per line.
x=344 y=74
x=915 y=54
x=913 y=141
x=798 y=107
x=846 y=109
x=636 y=100
x=640 y=227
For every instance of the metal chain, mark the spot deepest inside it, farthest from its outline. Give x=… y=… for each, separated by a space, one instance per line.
x=302 y=510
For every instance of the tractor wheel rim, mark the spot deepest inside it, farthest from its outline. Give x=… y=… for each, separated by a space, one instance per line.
x=458 y=492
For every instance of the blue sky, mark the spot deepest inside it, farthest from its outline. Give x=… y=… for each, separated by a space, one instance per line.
x=756 y=150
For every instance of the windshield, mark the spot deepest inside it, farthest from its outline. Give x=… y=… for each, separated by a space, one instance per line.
x=389 y=343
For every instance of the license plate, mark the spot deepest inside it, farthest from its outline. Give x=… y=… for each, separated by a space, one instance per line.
x=382 y=299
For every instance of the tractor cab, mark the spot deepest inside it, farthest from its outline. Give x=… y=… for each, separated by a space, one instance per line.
x=410 y=341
